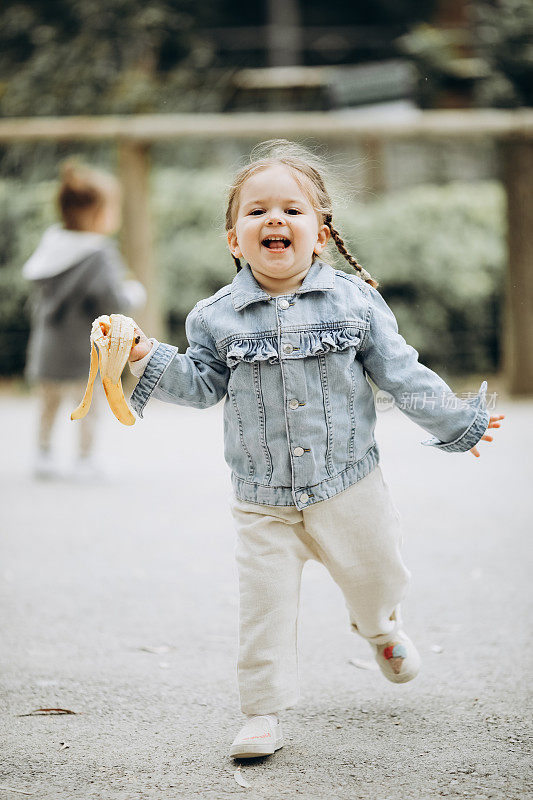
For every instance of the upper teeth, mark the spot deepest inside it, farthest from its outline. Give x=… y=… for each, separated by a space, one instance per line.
x=276 y=238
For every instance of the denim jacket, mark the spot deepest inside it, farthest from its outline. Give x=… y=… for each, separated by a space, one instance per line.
x=299 y=410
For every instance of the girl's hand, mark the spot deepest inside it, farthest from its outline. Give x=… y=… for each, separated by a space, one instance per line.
x=141 y=346
x=493 y=423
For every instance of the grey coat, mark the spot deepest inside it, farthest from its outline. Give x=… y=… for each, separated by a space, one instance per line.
x=66 y=298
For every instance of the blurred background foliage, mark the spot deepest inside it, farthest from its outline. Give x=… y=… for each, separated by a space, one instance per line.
x=61 y=57
x=438 y=252
x=128 y=56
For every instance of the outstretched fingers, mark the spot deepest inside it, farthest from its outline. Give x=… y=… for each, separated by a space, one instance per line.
x=475 y=451
x=493 y=423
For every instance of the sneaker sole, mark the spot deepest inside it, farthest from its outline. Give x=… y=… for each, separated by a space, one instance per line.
x=254 y=750
x=401 y=678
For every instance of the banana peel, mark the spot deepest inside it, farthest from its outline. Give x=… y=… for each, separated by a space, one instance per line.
x=85 y=404
x=111 y=342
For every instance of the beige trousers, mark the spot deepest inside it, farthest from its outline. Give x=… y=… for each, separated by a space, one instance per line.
x=52 y=394
x=356 y=535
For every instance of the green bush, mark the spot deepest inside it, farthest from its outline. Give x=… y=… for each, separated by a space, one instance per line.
x=438 y=252
x=25 y=213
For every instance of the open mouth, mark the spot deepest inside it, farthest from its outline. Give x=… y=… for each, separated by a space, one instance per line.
x=278 y=243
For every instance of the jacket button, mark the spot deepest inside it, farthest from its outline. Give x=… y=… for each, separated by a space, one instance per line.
x=293 y=403
x=304 y=497
x=298 y=451
x=283 y=303
x=288 y=348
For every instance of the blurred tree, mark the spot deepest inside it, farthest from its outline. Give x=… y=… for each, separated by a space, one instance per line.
x=503 y=38
x=368 y=12
x=62 y=57
x=96 y=56
x=128 y=56
x=446 y=78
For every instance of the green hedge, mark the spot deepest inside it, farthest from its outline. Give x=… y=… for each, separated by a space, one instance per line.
x=25 y=214
x=438 y=252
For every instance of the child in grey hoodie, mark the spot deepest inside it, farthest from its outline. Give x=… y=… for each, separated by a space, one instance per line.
x=76 y=274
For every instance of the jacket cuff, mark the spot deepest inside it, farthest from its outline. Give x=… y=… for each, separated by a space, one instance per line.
x=151 y=376
x=475 y=430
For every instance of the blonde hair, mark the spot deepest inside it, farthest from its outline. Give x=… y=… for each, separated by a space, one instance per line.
x=300 y=161
x=83 y=189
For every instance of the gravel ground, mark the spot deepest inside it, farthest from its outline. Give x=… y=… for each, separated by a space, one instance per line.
x=96 y=577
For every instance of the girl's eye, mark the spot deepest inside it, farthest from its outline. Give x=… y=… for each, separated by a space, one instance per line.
x=256 y=212
x=292 y=211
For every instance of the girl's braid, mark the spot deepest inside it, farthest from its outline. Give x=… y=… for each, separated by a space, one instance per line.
x=341 y=247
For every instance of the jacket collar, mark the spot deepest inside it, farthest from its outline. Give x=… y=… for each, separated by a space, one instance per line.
x=245 y=289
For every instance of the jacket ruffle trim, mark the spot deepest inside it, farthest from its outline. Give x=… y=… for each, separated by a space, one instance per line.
x=475 y=430
x=309 y=343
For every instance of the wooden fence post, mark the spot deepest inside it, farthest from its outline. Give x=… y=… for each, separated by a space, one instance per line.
x=134 y=172
x=518 y=322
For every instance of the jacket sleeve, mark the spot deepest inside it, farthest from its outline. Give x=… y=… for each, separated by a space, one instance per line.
x=108 y=290
x=456 y=424
x=197 y=378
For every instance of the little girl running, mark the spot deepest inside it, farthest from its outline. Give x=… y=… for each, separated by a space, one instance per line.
x=290 y=344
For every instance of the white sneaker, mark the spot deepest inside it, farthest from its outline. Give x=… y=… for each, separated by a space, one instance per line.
x=45 y=467
x=260 y=736
x=88 y=470
x=398 y=658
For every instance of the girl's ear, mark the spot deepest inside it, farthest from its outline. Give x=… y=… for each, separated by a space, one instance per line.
x=322 y=239
x=233 y=244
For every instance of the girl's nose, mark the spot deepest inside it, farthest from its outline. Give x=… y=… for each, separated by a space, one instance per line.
x=274 y=219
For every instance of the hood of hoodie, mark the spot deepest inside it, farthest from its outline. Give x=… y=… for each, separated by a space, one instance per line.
x=59 y=250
